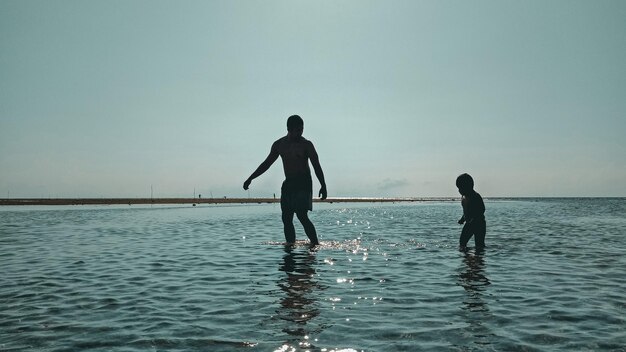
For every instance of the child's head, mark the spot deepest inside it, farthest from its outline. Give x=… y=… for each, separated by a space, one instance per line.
x=465 y=183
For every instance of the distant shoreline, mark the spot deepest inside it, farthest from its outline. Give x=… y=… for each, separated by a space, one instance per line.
x=196 y=201
x=140 y=201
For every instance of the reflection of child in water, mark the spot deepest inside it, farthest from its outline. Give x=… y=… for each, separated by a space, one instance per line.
x=473 y=213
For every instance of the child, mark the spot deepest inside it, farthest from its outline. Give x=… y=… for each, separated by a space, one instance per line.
x=473 y=213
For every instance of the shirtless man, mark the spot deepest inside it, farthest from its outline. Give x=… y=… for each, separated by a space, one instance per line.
x=296 y=193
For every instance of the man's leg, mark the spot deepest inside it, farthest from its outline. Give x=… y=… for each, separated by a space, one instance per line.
x=290 y=231
x=309 y=229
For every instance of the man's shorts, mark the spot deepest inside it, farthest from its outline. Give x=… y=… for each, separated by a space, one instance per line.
x=297 y=195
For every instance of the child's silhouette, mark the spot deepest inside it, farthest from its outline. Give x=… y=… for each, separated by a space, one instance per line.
x=296 y=192
x=473 y=213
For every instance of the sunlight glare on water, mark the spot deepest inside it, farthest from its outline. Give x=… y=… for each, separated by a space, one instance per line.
x=385 y=277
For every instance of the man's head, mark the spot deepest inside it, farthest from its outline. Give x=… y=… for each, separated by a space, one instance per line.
x=465 y=184
x=295 y=125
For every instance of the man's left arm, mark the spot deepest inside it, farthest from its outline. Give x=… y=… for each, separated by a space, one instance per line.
x=318 y=171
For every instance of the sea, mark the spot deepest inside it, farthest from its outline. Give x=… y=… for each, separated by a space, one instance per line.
x=386 y=277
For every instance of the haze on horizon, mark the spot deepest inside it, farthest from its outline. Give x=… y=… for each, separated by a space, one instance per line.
x=109 y=98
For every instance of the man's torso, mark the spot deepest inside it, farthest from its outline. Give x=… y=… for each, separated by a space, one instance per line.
x=295 y=156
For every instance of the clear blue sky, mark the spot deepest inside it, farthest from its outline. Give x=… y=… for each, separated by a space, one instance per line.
x=106 y=98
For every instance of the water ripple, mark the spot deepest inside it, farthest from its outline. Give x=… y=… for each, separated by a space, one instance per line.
x=385 y=277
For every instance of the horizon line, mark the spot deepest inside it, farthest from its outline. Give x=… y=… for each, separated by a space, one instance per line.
x=253 y=200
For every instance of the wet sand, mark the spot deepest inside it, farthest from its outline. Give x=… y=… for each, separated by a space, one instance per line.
x=131 y=201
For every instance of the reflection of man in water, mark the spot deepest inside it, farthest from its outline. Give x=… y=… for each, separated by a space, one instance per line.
x=298 y=306
x=296 y=192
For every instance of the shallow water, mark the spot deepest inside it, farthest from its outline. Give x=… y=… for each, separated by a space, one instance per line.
x=386 y=278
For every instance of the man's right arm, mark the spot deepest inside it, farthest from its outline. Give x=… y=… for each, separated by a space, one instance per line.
x=265 y=165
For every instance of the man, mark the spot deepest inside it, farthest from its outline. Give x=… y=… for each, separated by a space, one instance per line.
x=296 y=193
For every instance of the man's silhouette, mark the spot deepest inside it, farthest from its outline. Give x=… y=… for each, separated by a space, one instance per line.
x=296 y=193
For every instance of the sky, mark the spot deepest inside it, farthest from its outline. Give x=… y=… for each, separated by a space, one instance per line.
x=124 y=98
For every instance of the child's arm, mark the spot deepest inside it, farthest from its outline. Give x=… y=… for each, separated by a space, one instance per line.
x=474 y=207
x=464 y=205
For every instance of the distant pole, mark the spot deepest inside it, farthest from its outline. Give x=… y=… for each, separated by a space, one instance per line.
x=194 y=193
x=151 y=194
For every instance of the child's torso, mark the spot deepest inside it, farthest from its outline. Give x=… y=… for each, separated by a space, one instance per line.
x=473 y=206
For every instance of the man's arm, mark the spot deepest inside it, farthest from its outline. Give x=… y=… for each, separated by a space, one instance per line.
x=271 y=158
x=318 y=171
